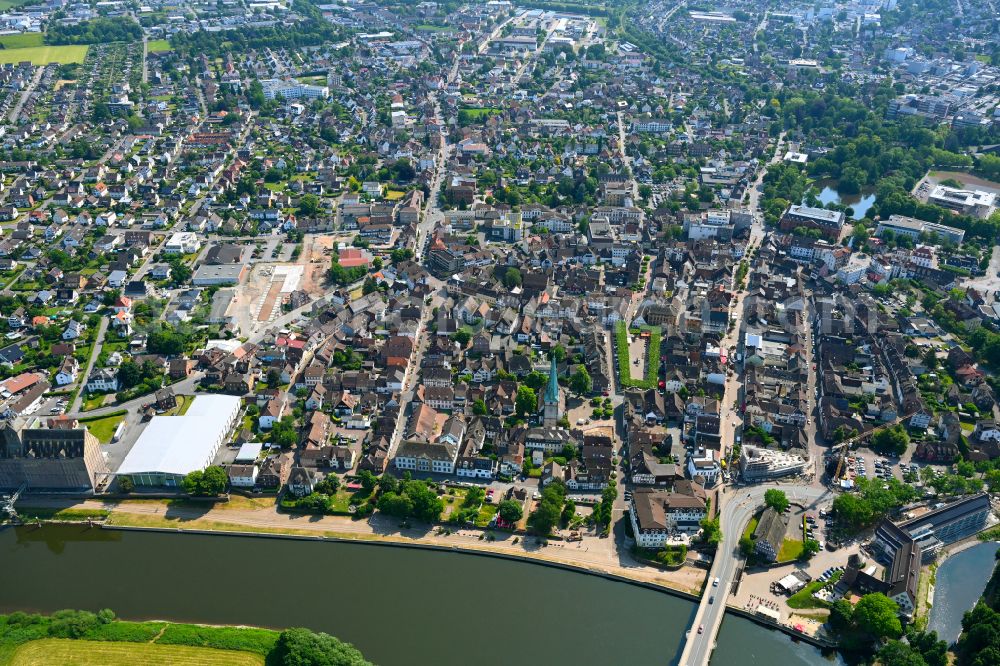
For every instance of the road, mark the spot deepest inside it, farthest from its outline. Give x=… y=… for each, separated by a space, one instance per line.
x=736 y=513
x=187 y=386
x=736 y=506
x=990 y=282
x=102 y=328
x=16 y=111
x=626 y=160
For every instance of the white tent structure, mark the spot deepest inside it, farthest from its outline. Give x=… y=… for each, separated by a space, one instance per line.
x=173 y=446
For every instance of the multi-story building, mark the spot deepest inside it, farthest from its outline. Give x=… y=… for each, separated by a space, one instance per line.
x=659 y=515
x=828 y=222
x=757 y=464
x=51 y=459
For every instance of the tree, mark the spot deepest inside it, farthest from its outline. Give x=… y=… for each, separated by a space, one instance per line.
x=479 y=407
x=283 y=432
x=747 y=546
x=809 y=548
x=853 y=510
x=580 y=382
x=125 y=484
x=209 y=483
x=129 y=374
x=711 y=533
x=309 y=205
x=368 y=480
x=512 y=278
x=549 y=510
x=897 y=653
x=462 y=336
x=891 y=440
x=510 y=510
x=526 y=401
x=878 y=616
x=776 y=499
x=536 y=380
x=544 y=517
x=301 y=647
x=558 y=353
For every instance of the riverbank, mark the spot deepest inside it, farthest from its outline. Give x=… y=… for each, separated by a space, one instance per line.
x=253 y=517
x=99 y=639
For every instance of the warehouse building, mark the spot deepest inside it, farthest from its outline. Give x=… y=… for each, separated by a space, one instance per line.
x=173 y=446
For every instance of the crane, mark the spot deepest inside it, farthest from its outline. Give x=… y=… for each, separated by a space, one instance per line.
x=7 y=502
x=846 y=444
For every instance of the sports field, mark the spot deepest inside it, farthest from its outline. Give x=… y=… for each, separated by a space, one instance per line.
x=158 y=45
x=99 y=653
x=44 y=55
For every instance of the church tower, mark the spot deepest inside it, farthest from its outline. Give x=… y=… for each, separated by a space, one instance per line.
x=551 y=413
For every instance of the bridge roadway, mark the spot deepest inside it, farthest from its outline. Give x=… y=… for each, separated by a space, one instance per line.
x=737 y=505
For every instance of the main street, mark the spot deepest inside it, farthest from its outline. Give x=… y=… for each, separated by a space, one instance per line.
x=737 y=505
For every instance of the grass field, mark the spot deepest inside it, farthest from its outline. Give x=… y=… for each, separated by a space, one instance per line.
x=103 y=428
x=791 y=549
x=22 y=40
x=63 y=514
x=99 y=653
x=158 y=45
x=10 y=4
x=44 y=55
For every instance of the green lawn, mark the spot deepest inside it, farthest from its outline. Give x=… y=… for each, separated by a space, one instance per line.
x=752 y=525
x=44 y=55
x=790 y=550
x=10 y=4
x=62 y=514
x=103 y=428
x=93 y=401
x=804 y=598
x=158 y=45
x=22 y=40
x=486 y=513
x=105 y=653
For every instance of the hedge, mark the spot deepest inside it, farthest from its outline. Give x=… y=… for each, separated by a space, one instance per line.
x=625 y=378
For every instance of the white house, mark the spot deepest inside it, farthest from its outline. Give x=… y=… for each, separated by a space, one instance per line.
x=102 y=380
x=659 y=516
x=243 y=476
x=182 y=242
x=68 y=371
x=74 y=329
x=703 y=462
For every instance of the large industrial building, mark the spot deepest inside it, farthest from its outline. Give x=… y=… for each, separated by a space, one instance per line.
x=173 y=446
x=51 y=459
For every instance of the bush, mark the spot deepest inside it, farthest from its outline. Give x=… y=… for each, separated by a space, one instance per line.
x=301 y=647
x=261 y=641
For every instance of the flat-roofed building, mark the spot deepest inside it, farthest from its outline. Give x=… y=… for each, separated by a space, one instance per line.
x=911 y=227
x=757 y=464
x=173 y=446
x=967 y=202
x=828 y=222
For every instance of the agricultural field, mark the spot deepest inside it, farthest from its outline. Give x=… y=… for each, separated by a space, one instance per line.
x=102 y=653
x=44 y=55
x=22 y=40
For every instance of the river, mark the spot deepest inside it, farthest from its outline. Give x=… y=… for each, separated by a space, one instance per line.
x=959 y=582
x=397 y=605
